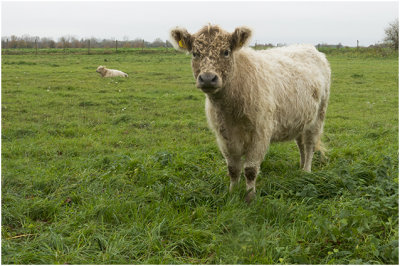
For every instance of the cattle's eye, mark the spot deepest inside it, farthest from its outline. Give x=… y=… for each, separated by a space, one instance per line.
x=226 y=53
x=196 y=55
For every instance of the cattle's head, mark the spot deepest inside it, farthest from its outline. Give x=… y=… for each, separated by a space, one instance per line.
x=213 y=51
x=100 y=69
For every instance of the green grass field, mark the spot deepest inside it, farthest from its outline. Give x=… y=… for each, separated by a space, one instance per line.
x=126 y=171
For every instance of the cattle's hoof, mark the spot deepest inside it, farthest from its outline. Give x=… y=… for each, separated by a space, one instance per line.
x=233 y=186
x=250 y=195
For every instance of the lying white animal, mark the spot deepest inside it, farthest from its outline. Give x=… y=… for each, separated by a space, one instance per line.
x=105 y=72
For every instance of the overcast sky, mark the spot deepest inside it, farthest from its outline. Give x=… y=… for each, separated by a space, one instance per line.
x=272 y=22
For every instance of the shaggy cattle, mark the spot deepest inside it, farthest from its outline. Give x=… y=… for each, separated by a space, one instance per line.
x=254 y=98
x=106 y=73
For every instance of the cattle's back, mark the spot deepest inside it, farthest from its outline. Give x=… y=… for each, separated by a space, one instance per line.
x=294 y=81
x=301 y=59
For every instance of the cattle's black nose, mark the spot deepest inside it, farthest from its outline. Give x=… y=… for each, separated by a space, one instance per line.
x=208 y=80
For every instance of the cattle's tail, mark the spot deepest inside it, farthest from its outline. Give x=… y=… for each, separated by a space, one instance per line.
x=320 y=146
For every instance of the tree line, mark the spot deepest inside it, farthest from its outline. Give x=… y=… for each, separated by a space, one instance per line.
x=391 y=39
x=27 y=41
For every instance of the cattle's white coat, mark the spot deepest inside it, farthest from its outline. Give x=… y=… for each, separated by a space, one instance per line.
x=106 y=73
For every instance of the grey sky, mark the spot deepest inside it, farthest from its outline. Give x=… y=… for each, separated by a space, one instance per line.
x=272 y=22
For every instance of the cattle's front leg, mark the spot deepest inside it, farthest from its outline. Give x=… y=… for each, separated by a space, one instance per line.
x=251 y=173
x=253 y=158
x=234 y=170
x=232 y=154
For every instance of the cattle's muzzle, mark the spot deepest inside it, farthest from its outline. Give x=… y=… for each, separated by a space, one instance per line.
x=208 y=82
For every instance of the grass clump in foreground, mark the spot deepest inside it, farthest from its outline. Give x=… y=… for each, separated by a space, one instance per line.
x=125 y=171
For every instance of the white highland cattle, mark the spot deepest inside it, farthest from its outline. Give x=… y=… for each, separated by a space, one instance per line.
x=107 y=73
x=254 y=98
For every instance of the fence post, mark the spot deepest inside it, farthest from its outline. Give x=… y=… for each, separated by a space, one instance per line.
x=36 y=45
x=88 y=51
x=143 y=45
x=116 y=46
x=8 y=47
x=357 y=43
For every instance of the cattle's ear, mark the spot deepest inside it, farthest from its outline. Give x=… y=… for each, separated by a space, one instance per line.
x=181 y=39
x=240 y=37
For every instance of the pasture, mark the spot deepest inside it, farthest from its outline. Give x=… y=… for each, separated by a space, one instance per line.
x=125 y=170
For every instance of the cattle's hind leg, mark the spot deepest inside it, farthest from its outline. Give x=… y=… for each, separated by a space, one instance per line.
x=300 y=144
x=309 y=144
x=311 y=139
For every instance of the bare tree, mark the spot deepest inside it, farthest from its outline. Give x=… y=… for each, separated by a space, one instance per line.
x=137 y=43
x=4 y=42
x=13 y=41
x=168 y=44
x=75 y=43
x=157 y=43
x=392 y=34
x=45 y=42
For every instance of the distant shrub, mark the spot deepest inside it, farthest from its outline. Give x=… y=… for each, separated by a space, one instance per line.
x=373 y=51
